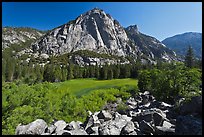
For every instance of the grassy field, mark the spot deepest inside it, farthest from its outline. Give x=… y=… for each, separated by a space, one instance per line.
x=69 y=100
x=81 y=87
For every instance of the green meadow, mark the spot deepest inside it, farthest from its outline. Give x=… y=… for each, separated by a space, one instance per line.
x=68 y=100
x=81 y=87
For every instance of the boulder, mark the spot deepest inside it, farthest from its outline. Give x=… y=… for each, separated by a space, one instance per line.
x=62 y=132
x=21 y=129
x=146 y=127
x=145 y=99
x=60 y=125
x=37 y=127
x=73 y=125
x=92 y=130
x=164 y=106
x=188 y=125
x=51 y=129
x=78 y=132
x=104 y=115
x=92 y=121
x=45 y=134
x=158 y=119
x=164 y=130
x=167 y=124
x=128 y=128
x=131 y=101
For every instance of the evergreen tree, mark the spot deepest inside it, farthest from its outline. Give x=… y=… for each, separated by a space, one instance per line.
x=64 y=73
x=104 y=72
x=3 y=69
x=125 y=71
x=110 y=73
x=70 y=71
x=17 y=72
x=134 y=71
x=91 y=71
x=48 y=73
x=116 y=73
x=189 y=58
x=38 y=73
x=9 y=69
x=97 y=73
x=57 y=74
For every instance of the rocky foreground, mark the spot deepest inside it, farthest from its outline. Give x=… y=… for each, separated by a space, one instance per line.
x=142 y=115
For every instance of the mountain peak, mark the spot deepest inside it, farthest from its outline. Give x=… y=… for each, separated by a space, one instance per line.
x=133 y=29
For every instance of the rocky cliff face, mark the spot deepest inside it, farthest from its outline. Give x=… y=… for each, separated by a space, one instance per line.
x=99 y=32
x=149 y=46
x=18 y=35
x=95 y=31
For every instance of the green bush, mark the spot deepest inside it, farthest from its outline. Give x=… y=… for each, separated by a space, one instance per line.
x=175 y=80
x=23 y=103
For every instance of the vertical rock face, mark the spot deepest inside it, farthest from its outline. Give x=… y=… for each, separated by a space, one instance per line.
x=99 y=32
x=95 y=30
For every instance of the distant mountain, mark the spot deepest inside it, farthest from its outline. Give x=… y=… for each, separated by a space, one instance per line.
x=180 y=43
x=92 y=38
x=98 y=32
x=11 y=35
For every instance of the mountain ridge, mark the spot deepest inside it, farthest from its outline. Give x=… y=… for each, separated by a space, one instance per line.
x=180 y=43
x=97 y=31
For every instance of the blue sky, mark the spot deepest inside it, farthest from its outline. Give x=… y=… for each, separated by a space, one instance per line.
x=158 y=19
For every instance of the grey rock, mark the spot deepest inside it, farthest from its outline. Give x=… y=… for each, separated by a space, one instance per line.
x=92 y=121
x=146 y=127
x=92 y=130
x=45 y=134
x=110 y=129
x=164 y=130
x=128 y=128
x=104 y=115
x=21 y=129
x=51 y=129
x=63 y=132
x=78 y=132
x=36 y=127
x=73 y=125
x=60 y=125
x=131 y=101
x=158 y=119
x=167 y=124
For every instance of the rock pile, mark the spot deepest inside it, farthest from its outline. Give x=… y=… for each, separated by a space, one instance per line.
x=143 y=116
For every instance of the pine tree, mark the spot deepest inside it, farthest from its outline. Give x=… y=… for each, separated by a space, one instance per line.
x=17 y=72
x=110 y=73
x=116 y=71
x=70 y=71
x=57 y=74
x=91 y=71
x=9 y=69
x=104 y=72
x=3 y=69
x=189 y=58
x=97 y=73
x=64 y=73
x=38 y=73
